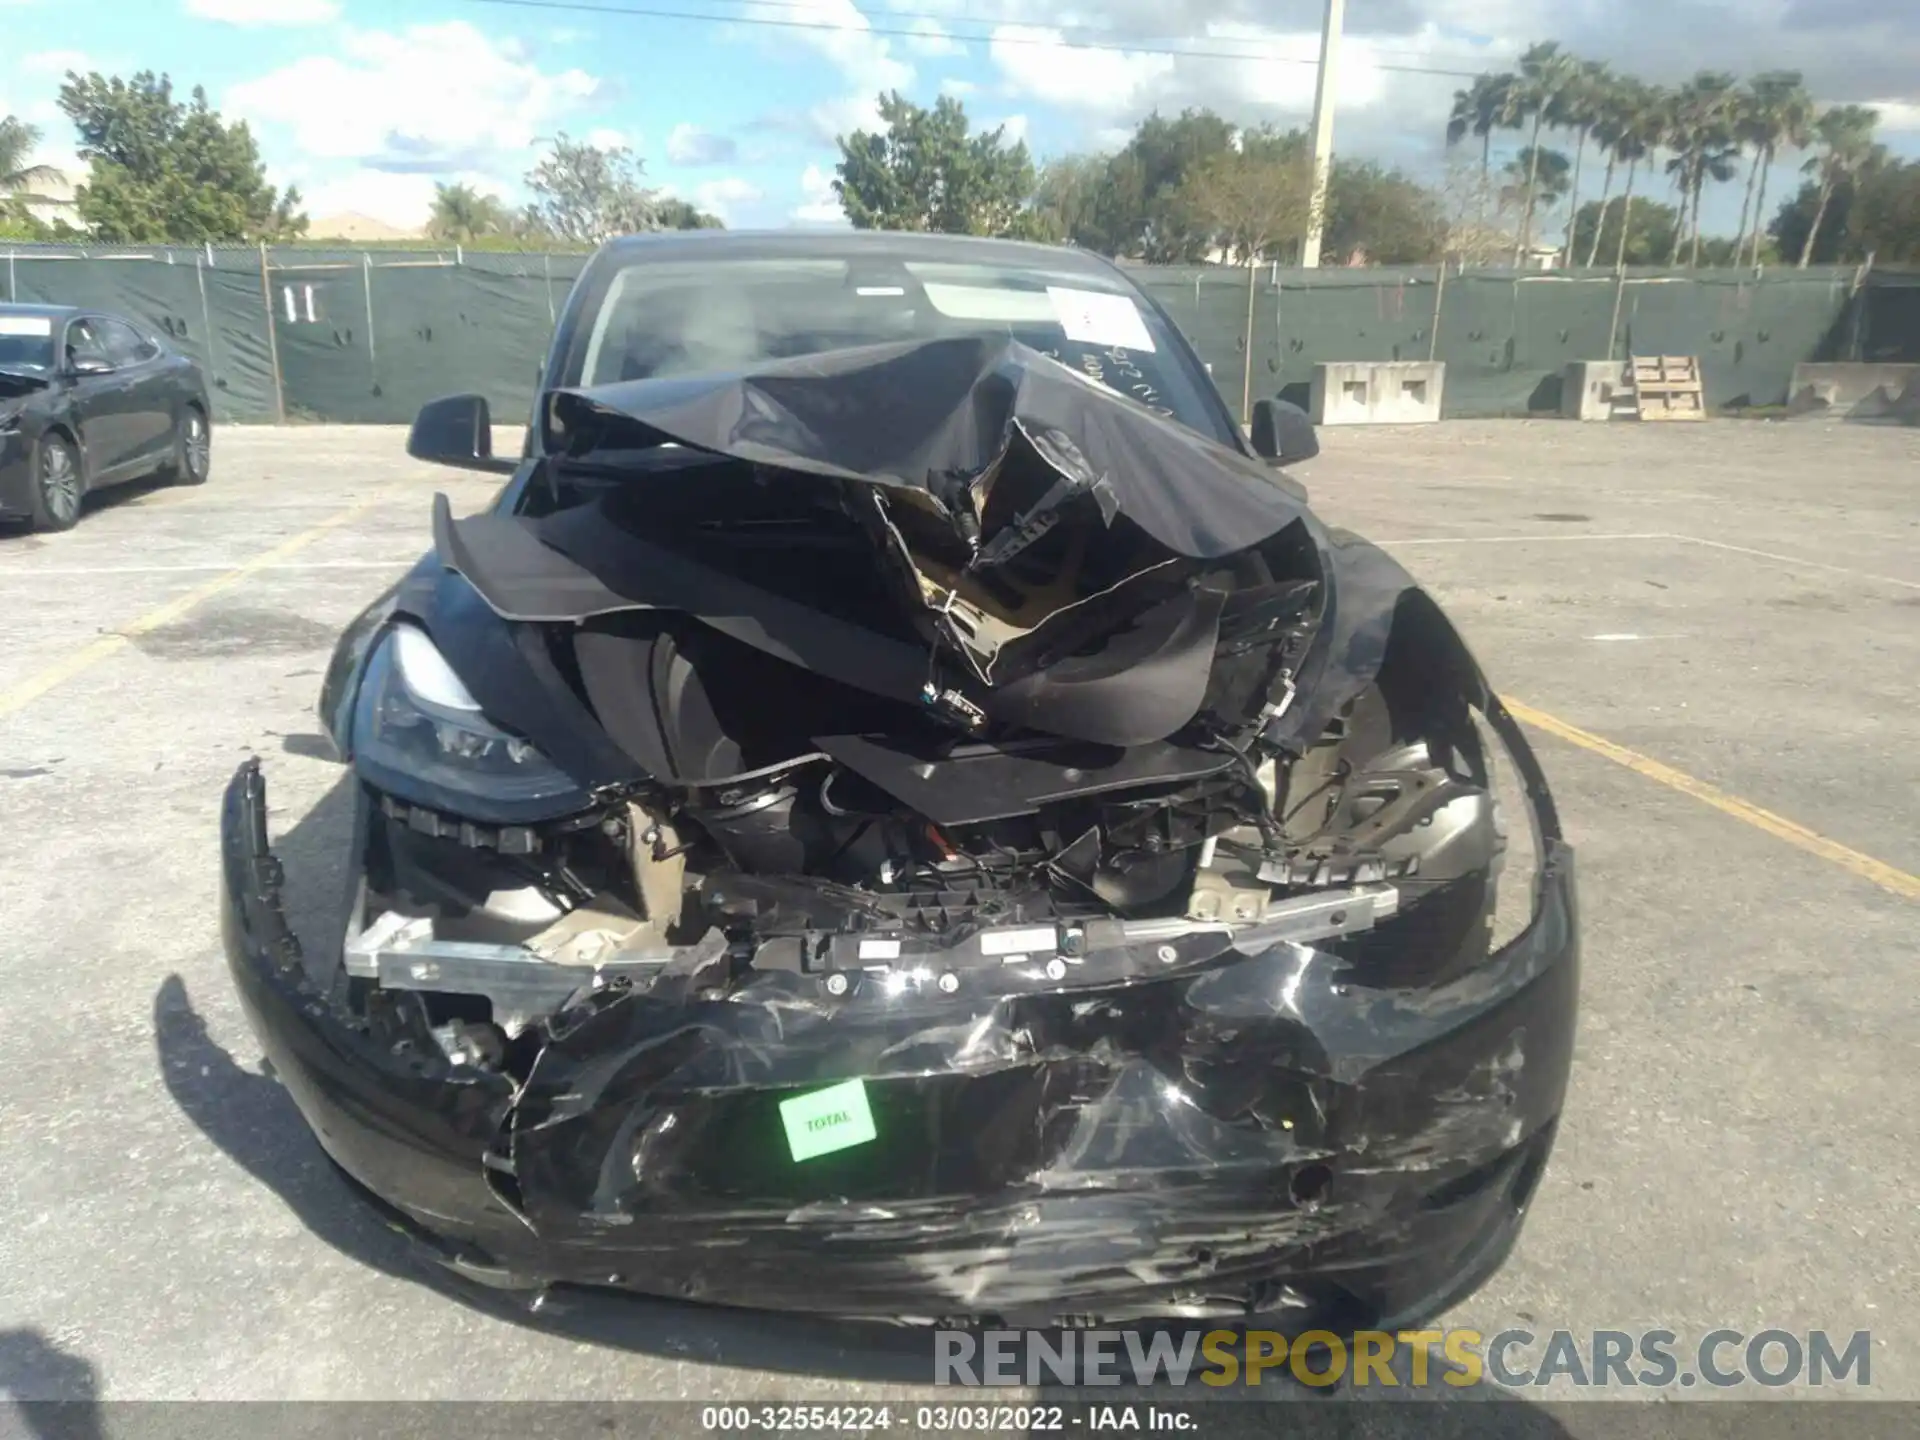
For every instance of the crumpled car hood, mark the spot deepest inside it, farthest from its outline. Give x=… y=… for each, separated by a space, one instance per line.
x=954 y=409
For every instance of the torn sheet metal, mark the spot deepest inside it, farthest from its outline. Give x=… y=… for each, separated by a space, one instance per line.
x=1249 y=1135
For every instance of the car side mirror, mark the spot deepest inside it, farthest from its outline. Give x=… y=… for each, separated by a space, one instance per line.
x=89 y=365
x=458 y=431
x=1282 y=434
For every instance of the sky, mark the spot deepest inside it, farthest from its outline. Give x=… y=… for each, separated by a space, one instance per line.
x=735 y=104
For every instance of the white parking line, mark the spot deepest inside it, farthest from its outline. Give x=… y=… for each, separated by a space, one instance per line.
x=106 y=646
x=1797 y=560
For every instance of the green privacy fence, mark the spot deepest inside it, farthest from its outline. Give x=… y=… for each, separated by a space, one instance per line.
x=369 y=336
x=1506 y=336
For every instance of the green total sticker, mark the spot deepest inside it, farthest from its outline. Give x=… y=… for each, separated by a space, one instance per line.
x=827 y=1120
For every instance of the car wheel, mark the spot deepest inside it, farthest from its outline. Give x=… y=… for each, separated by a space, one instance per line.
x=57 y=484
x=193 y=448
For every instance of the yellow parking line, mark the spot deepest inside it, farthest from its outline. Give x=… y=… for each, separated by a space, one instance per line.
x=87 y=656
x=1778 y=826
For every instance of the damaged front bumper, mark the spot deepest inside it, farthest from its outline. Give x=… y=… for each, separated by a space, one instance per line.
x=1253 y=1134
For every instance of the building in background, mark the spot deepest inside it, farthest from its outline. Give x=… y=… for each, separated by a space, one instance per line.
x=352 y=225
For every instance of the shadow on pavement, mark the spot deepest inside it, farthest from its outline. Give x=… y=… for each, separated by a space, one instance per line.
x=51 y=1394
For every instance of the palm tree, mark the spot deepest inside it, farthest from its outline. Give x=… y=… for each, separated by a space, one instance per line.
x=462 y=214
x=1580 y=107
x=1641 y=117
x=1610 y=109
x=1845 y=133
x=1550 y=170
x=1487 y=105
x=1544 y=74
x=1699 y=131
x=1780 y=113
x=17 y=172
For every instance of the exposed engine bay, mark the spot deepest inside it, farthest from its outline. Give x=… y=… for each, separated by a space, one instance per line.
x=1036 y=689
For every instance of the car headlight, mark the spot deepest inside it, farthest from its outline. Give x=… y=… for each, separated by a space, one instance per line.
x=418 y=732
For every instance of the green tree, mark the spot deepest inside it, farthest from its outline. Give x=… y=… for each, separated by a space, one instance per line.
x=1382 y=213
x=1700 y=131
x=18 y=172
x=924 y=171
x=463 y=215
x=1791 y=228
x=160 y=169
x=1490 y=103
x=1251 y=200
x=1143 y=212
x=1579 y=108
x=1639 y=115
x=584 y=194
x=1648 y=241
x=1609 y=110
x=1067 y=200
x=18 y=177
x=1845 y=136
x=673 y=213
x=1775 y=111
x=1885 y=219
x=1873 y=210
x=1542 y=177
x=1545 y=73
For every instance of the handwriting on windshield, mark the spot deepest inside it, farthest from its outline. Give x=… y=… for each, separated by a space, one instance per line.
x=1115 y=369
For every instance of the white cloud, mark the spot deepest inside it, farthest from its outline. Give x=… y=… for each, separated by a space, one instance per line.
x=1898 y=115
x=1035 y=61
x=718 y=197
x=930 y=37
x=957 y=87
x=429 y=99
x=399 y=200
x=691 y=145
x=865 y=61
x=819 y=205
x=604 y=139
x=1013 y=128
x=55 y=62
x=264 y=12
x=833 y=118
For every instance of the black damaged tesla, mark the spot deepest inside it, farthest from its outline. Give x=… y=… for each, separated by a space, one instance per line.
x=900 y=810
x=88 y=400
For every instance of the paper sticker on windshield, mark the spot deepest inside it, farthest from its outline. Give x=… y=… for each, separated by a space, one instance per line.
x=1097 y=319
x=827 y=1120
x=25 y=325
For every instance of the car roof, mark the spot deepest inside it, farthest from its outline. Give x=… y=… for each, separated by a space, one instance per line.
x=51 y=312
x=830 y=244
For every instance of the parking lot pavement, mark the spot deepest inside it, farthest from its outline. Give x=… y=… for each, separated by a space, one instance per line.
x=1712 y=630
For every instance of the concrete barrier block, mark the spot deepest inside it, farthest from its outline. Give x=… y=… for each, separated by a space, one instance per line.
x=1591 y=389
x=1368 y=392
x=1855 y=389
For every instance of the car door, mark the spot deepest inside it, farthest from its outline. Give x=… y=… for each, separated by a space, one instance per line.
x=139 y=363
x=99 y=401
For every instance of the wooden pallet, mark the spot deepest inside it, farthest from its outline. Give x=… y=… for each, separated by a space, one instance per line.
x=1665 y=387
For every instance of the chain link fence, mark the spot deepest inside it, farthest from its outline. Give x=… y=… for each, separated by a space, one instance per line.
x=368 y=335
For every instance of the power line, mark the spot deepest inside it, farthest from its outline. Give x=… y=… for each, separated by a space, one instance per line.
x=904 y=32
x=947 y=18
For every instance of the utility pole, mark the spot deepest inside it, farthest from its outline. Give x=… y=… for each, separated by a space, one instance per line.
x=1324 y=89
